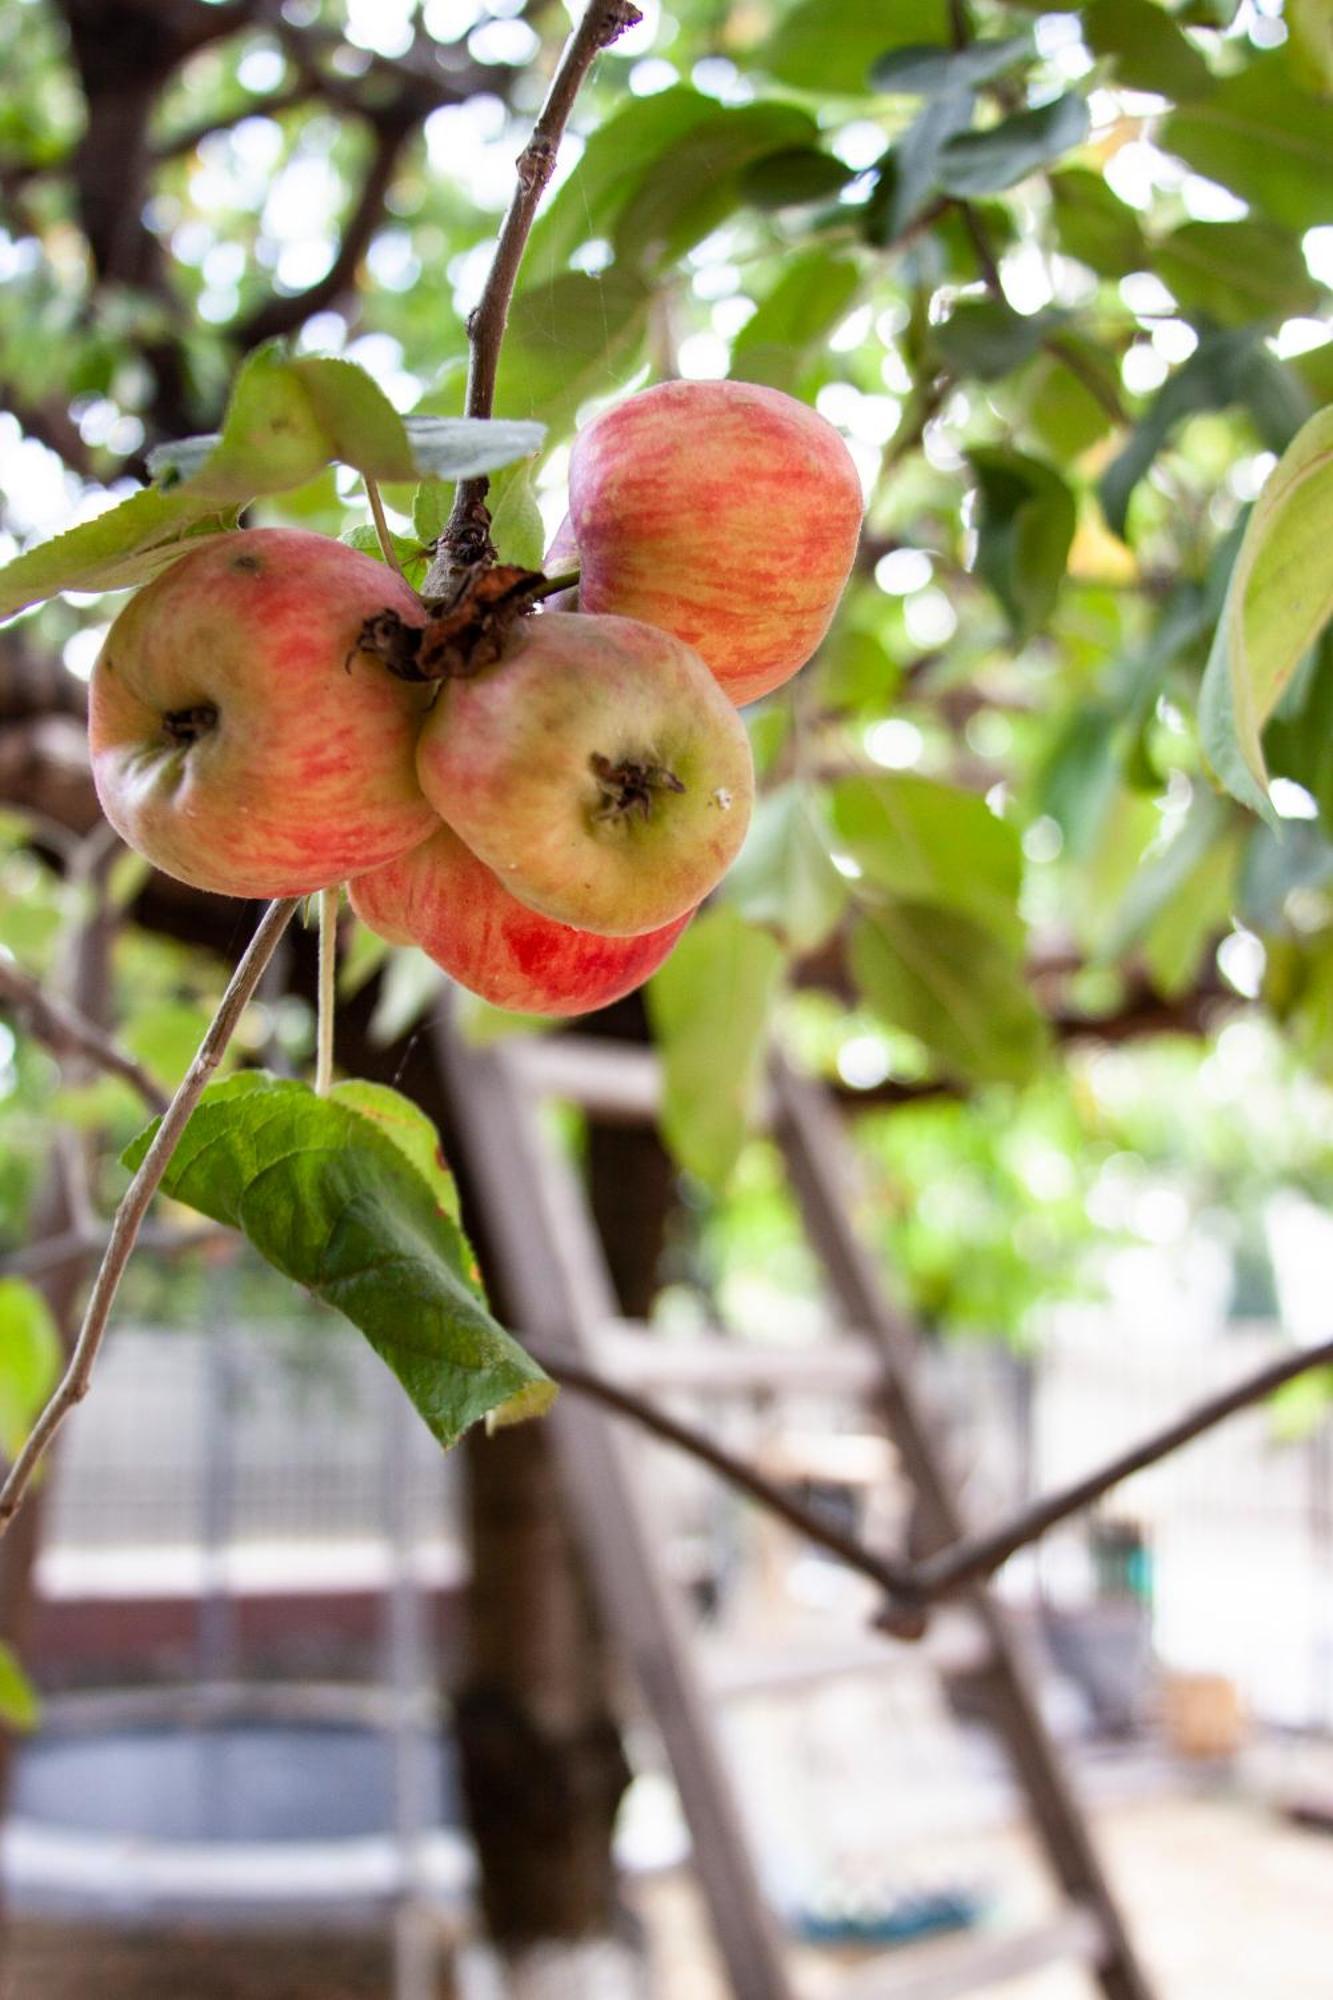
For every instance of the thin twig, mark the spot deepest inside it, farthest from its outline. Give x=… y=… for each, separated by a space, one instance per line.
x=328 y=999
x=65 y=1032
x=466 y=538
x=134 y=1203
x=72 y=1245
x=894 y=1577
x=377 y=514
x=979 y=1556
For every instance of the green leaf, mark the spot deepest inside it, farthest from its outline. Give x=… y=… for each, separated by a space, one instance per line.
x=19 y=1707
x=975 y=163
x=616 y=159
x=411 y=1131
x=792 y=324
x=932 y=843
x=926 y=70
x=1264 y=137
x=784 y=875
x=1279 y=601
x=985 y=339
x=570 y=340
x=271 y=438
x=953 y=984
x=464 y=447
x=30 y=1360
x=697 y=182
x=364 y=538
x=823 y=47
x=332 y=1193
x=1149 y=50
x=1024 y=529
x=1164 y=874
x=1093 y=225
x=792 y=177
x=431 y=504
x=126 y=545
x=909 y=173
x=710 y=1007
x=517 y=528
x=1224 y=368
x=1235 y=272
x=1310 y=26
x=1298 y=742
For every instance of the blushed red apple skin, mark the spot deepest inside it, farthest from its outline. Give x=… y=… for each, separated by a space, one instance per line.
x=724 y=512
x=309 y=775
x=507 y=758
x=443 y=899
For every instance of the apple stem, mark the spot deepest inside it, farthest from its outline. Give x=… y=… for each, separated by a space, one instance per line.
x=381 y=524
x=328 y=966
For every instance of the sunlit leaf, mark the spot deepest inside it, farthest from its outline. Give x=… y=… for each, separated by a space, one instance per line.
x=927 y=842
x=784 y=875
x=30 y=1359
x=953 y=984
x=1279 y=601
x=710 y=1007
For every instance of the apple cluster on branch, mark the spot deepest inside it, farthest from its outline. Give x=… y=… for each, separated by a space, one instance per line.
x=545 y=818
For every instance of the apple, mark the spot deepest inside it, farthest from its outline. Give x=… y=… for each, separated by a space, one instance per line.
x=596 y=767
x=723 y=512
x=240 y=742
x=443 y=899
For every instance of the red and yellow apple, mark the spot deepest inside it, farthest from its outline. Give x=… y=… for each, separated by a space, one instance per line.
x=596 y=767
x=441 y=898
x=722 y=512
x=239 y=739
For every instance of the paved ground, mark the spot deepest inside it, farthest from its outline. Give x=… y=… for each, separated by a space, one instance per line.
x=1229 y=1904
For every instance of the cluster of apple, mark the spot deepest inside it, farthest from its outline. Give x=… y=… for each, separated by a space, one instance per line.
x=545 y=825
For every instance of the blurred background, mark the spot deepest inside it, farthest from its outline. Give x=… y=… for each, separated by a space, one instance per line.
x=1072 y=999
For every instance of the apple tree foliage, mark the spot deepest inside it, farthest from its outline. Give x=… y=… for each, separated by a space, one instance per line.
x=1062 y=772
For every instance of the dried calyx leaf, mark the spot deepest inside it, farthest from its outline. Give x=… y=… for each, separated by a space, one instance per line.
x=465 y=631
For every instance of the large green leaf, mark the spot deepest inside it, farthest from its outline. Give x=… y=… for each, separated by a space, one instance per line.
x=977 y=163
x=987 y=339
x=1310 y=26
x=337 y=1194
x=1149 y=50
x=572 y=339
x=793 y=322
x=928 y=842
x=926 y=70
x=30 y=1359
x=784 y=875
x=710 y=1007
x=953 y=984
x=1279 y=601
x=19 y=1707
x=616 y=158
x=697 y=182
x=1235 y=272
x=1260 y=134
x=831 y=45
x=1025 y=525
x=1094 y=225
x=909 y=173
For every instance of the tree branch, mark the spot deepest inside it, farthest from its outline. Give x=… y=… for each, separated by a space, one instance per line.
x=65 y=1032
x=393 y=127
x=896 y=1578
x=466 y=538
x=943 y=1574
x=135 y=1201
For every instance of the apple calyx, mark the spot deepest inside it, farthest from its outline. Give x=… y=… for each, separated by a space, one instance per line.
x=184 y=726
x=628 y=786
x=466 y=631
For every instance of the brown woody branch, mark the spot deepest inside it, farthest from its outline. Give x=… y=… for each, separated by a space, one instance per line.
x=65 y=1032
x=466 y=539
